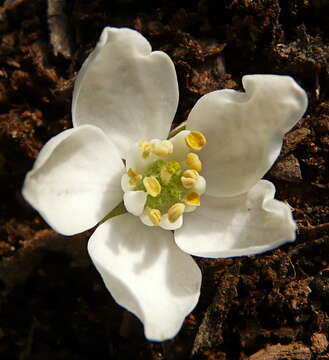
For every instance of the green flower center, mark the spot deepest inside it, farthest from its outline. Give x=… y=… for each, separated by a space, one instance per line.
x=168 y=174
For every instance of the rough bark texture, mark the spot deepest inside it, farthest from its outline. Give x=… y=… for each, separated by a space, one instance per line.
x=53 y=302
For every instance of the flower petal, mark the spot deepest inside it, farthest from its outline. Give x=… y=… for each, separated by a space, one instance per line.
x=145 y=219
x=125 y=89
x=75 y=181
x=200 y=186
x=244 y=131
x=146 y=273
x=180 y=147
x=167 y=225
x=136 y=161
x=125 y=183
x=135 y=201
x=243 y=225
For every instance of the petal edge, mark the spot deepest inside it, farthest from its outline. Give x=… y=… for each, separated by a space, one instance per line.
x=245 y=225
x=146 y=273
x=72 y=183
x=125 y=89
x=245 y=130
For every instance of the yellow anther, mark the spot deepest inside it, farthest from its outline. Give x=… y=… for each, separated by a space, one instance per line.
x=188 y=183
x=134 y=176
x=190 y=173
x=154 y=215
x=193 y=162
x=195 y=140
x=189 y=178
x=192 y=198
x=175 y=212
x=163 y=148
x=152 y=185
x=145 y=147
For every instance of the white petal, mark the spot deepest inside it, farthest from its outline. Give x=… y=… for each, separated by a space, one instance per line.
x=167 y=225
x=146 y=273
x=244 y=131
x=200 y=186
x=75 y=181
x=190 y=208
x=125 y=186
x=136 y=161
x=145 y=219
x=125 y=89
x=135 y=201
x=180 y=147
x=244 y=225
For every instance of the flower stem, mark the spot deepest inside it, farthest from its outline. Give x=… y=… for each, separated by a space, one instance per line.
x=177 y=129
x=118 y=210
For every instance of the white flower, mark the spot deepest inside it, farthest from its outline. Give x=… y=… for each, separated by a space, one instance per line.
x=124 y=101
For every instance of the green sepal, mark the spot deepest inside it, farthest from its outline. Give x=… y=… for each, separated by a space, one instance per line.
x=177 y=129
x=118 y=210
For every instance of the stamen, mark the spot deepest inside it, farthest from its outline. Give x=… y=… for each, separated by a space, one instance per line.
x=189 y=178
x=163 y=148
x=192 y=198
x=195 y=140
x=190 y=173
x=145 y=147
x=175 y=212
x=134 y=176
x=188 y=183
x=154 y=215
x=152 y=185
x=193 y=162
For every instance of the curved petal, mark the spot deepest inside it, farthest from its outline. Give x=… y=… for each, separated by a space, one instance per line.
x=244 y=225
x=167 y=225
x=146 y=273
x=136 y=161
x=75 y=181
x=135 y=201
x=125 y=89
x=145 y=219
x=125 y=185
x=244 y=131
x=180 y=147
x=200 y=186
x=190 y=208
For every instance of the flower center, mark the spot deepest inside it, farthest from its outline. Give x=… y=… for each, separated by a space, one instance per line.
x=170 y=179
x=162 y=182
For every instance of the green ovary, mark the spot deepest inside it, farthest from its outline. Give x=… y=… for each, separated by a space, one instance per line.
x=171 y=191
